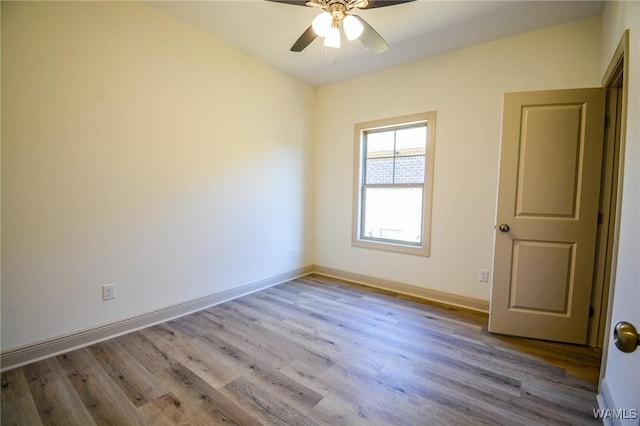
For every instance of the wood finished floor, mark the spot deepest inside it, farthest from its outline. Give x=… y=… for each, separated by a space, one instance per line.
x=311 y=351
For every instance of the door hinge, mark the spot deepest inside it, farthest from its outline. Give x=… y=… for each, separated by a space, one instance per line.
x=606 y=121
x=600 y=218
x=590 y=311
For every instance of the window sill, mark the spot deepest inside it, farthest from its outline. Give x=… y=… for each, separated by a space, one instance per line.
x=391 y=247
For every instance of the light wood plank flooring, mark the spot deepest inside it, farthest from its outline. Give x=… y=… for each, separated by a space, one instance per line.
x=312 y=351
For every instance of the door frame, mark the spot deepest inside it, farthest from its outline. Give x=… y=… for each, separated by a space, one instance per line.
x=607 y=254
x=606 y=222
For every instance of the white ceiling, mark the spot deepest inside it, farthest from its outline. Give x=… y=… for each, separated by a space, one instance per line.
x=416 y=30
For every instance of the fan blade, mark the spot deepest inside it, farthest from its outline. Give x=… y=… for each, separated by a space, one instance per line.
x=371 y=38
x=293 y=2
x=304 y=40
x=384 y=3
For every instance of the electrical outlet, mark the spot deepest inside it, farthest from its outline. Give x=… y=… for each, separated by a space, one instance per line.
x=108 y=291
x=483 y=275
x=291 y=252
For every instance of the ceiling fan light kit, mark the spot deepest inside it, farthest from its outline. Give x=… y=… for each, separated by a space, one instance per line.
x=327 y=26
x=335 y=15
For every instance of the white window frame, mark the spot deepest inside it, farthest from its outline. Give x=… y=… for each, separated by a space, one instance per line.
x=358 y=240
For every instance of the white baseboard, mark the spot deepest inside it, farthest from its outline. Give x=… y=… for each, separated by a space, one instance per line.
x=410 y=290
x=34 y=352
x=605 y=402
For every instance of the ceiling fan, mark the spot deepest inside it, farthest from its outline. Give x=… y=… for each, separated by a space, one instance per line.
x=335 y=15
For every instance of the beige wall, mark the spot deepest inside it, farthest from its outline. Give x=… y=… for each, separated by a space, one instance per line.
x=623 y=370
x=465 y=87
x=141 y=152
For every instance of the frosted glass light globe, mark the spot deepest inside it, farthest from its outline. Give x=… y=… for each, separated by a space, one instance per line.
x=352 y=27
x=321 y=24
x=332 y=39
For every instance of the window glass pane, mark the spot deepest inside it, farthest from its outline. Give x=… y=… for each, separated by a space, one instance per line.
x=379 y=170
x=411 y=141
x=409 y=169
x=393 y=214
x=379 y=144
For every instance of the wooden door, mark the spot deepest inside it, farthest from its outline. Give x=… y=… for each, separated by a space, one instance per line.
x=550 y=166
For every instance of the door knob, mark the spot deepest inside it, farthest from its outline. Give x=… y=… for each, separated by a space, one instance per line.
x=504 y=228
x=625 y=336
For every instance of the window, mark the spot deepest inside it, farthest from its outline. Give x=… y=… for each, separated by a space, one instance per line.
x=393 y=184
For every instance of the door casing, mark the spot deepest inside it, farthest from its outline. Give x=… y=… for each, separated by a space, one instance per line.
x=614 y=77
